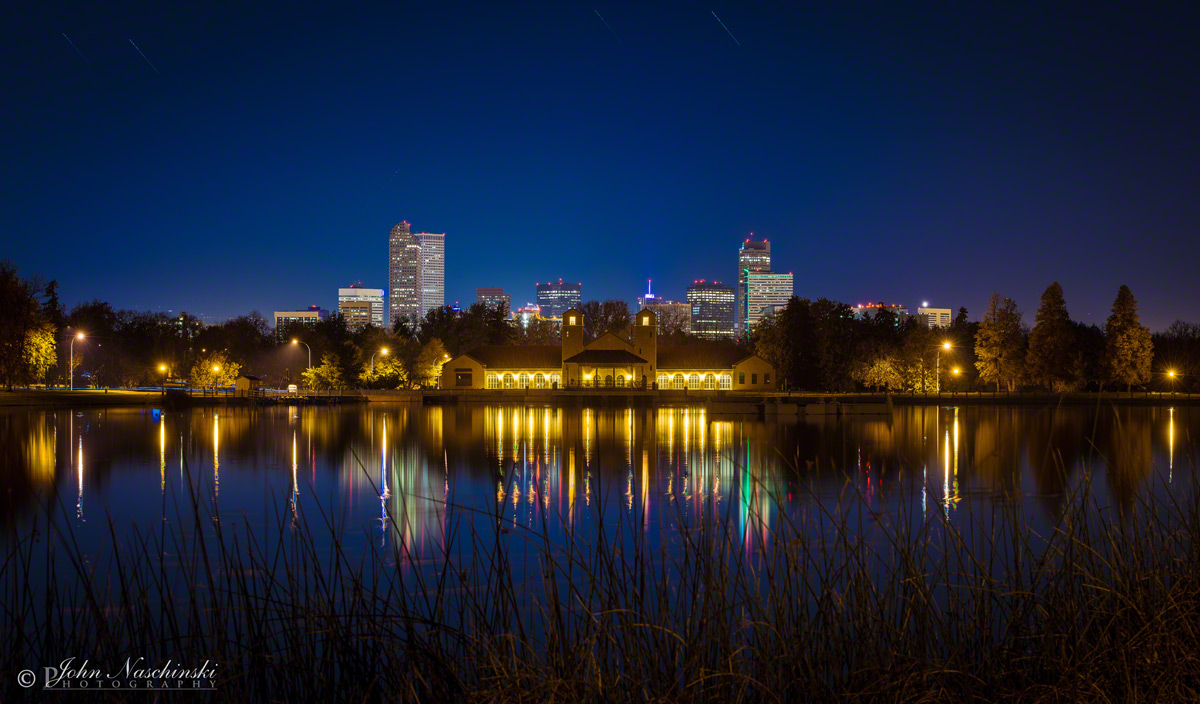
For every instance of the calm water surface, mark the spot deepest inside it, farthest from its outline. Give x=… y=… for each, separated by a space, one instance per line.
x=438 y=480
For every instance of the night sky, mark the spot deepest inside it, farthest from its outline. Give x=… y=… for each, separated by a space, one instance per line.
x=935 y=152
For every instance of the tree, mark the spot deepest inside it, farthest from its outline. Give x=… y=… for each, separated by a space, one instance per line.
x=326 y=375
x=20 y=316
x=607 y=316
x=1128 y=348
x=40 y=351
x=213 y=369
x=999 y=344
x=881 y=371
x=1051 y=358
x=539 y=332
x=428 y=365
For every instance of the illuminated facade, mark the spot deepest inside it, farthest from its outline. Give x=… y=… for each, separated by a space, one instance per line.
x=934 y=317
x=762 y=294
x=753 y=256
x=863 y=311
x=554 y=298
x=609 y=361
x=713 y=310
x=416 y=272
x=361 y=306
x=288 y=319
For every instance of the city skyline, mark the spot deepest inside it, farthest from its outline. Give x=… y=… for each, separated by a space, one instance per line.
x=876 y=167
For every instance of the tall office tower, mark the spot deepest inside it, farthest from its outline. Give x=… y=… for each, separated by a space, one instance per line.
x=646 y=298
x=404 y=275
x=557 y=298
x=361 y=306
x=290 y=320
x=416 y=272
x=764 y=291
x=433 y=269
x=714 y=314
x=752 y=257
x=492 y=297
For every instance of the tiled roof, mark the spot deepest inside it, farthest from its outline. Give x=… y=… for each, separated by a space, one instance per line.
x=700 y=357
x=519 y=356
x=607 y=357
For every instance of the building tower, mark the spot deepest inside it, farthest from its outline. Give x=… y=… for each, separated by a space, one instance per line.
x=752 y=257
x=433 y=269
x=416 y=272
x=713 y=310
x=645 y=341
x=572 y=333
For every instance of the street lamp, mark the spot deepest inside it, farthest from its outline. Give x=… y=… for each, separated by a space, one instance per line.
x=78 y=336
x=297 y=342
x=163 y=368
x=382 y=351
x=1171 y=376
x=938 y=370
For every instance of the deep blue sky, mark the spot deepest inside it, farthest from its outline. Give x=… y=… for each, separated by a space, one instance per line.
x=936 y=151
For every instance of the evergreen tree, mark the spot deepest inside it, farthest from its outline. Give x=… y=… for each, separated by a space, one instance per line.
x=1128 y=349
x=999 y=344
x=1051 y=359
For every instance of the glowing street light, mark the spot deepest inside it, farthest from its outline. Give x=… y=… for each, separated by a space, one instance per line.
x=78 y=336
x=297 y=342
x=938 y=369
x=383 y=351
x=163 y=368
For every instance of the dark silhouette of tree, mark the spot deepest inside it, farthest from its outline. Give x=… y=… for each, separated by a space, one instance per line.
x=999 y=343
x=1050 y=362
x=1128 y=349
x=600 y=317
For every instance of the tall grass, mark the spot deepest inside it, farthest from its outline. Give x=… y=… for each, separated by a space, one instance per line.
x=841 y=604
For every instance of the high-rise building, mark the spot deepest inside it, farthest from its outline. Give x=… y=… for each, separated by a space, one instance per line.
x=672 y=316
x=557 y=298
x=492 y=297
x=416 y=272
x=713 y=310
x=934 y=317
x=361 y=306
x=761 y=291
x=872 y=310
x=646 y=297
x=753 y=256
x=433 y=269
x=286 y=320
x=527 y=314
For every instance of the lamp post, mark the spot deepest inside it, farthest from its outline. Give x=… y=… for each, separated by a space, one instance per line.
x=78 y=336
x=163 y=368
x=938 y=368
x=1171 y=376
x=383 y=352
x=297 y=342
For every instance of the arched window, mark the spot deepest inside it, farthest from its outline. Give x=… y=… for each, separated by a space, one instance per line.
x=539 y=381
x=555 y=380
x=621 y=380
x=493 y=381
x=663 y=381
x=677 y=382
x=726 y=382
x=608 y=381
x=509 y=381
x=694 y=381
x=523 y=381
x=710 y=382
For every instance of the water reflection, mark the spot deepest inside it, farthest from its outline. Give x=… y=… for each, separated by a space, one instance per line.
x=407 y=474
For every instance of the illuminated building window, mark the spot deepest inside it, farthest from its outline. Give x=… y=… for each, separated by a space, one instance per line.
x=539 y=381
x=726 y=381
x=621 y=380
x=710 y=382
x=677 y=382
x=523 y=381
x=509 y=381
x=571 y=321
x=693 y=381
x=663 y=380
x=493 y=381
x=555 y=380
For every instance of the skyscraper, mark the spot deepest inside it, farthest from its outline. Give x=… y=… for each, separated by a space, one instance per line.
x=494 y=296
x=557 y=298
x=416 y=272
x=714 y=314
x=361 y=306
x=753 y=256
x=764 y=290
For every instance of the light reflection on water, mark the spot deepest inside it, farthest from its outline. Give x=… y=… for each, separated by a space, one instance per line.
x=401 y=477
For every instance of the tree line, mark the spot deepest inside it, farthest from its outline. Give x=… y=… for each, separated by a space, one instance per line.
x=822 y=346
